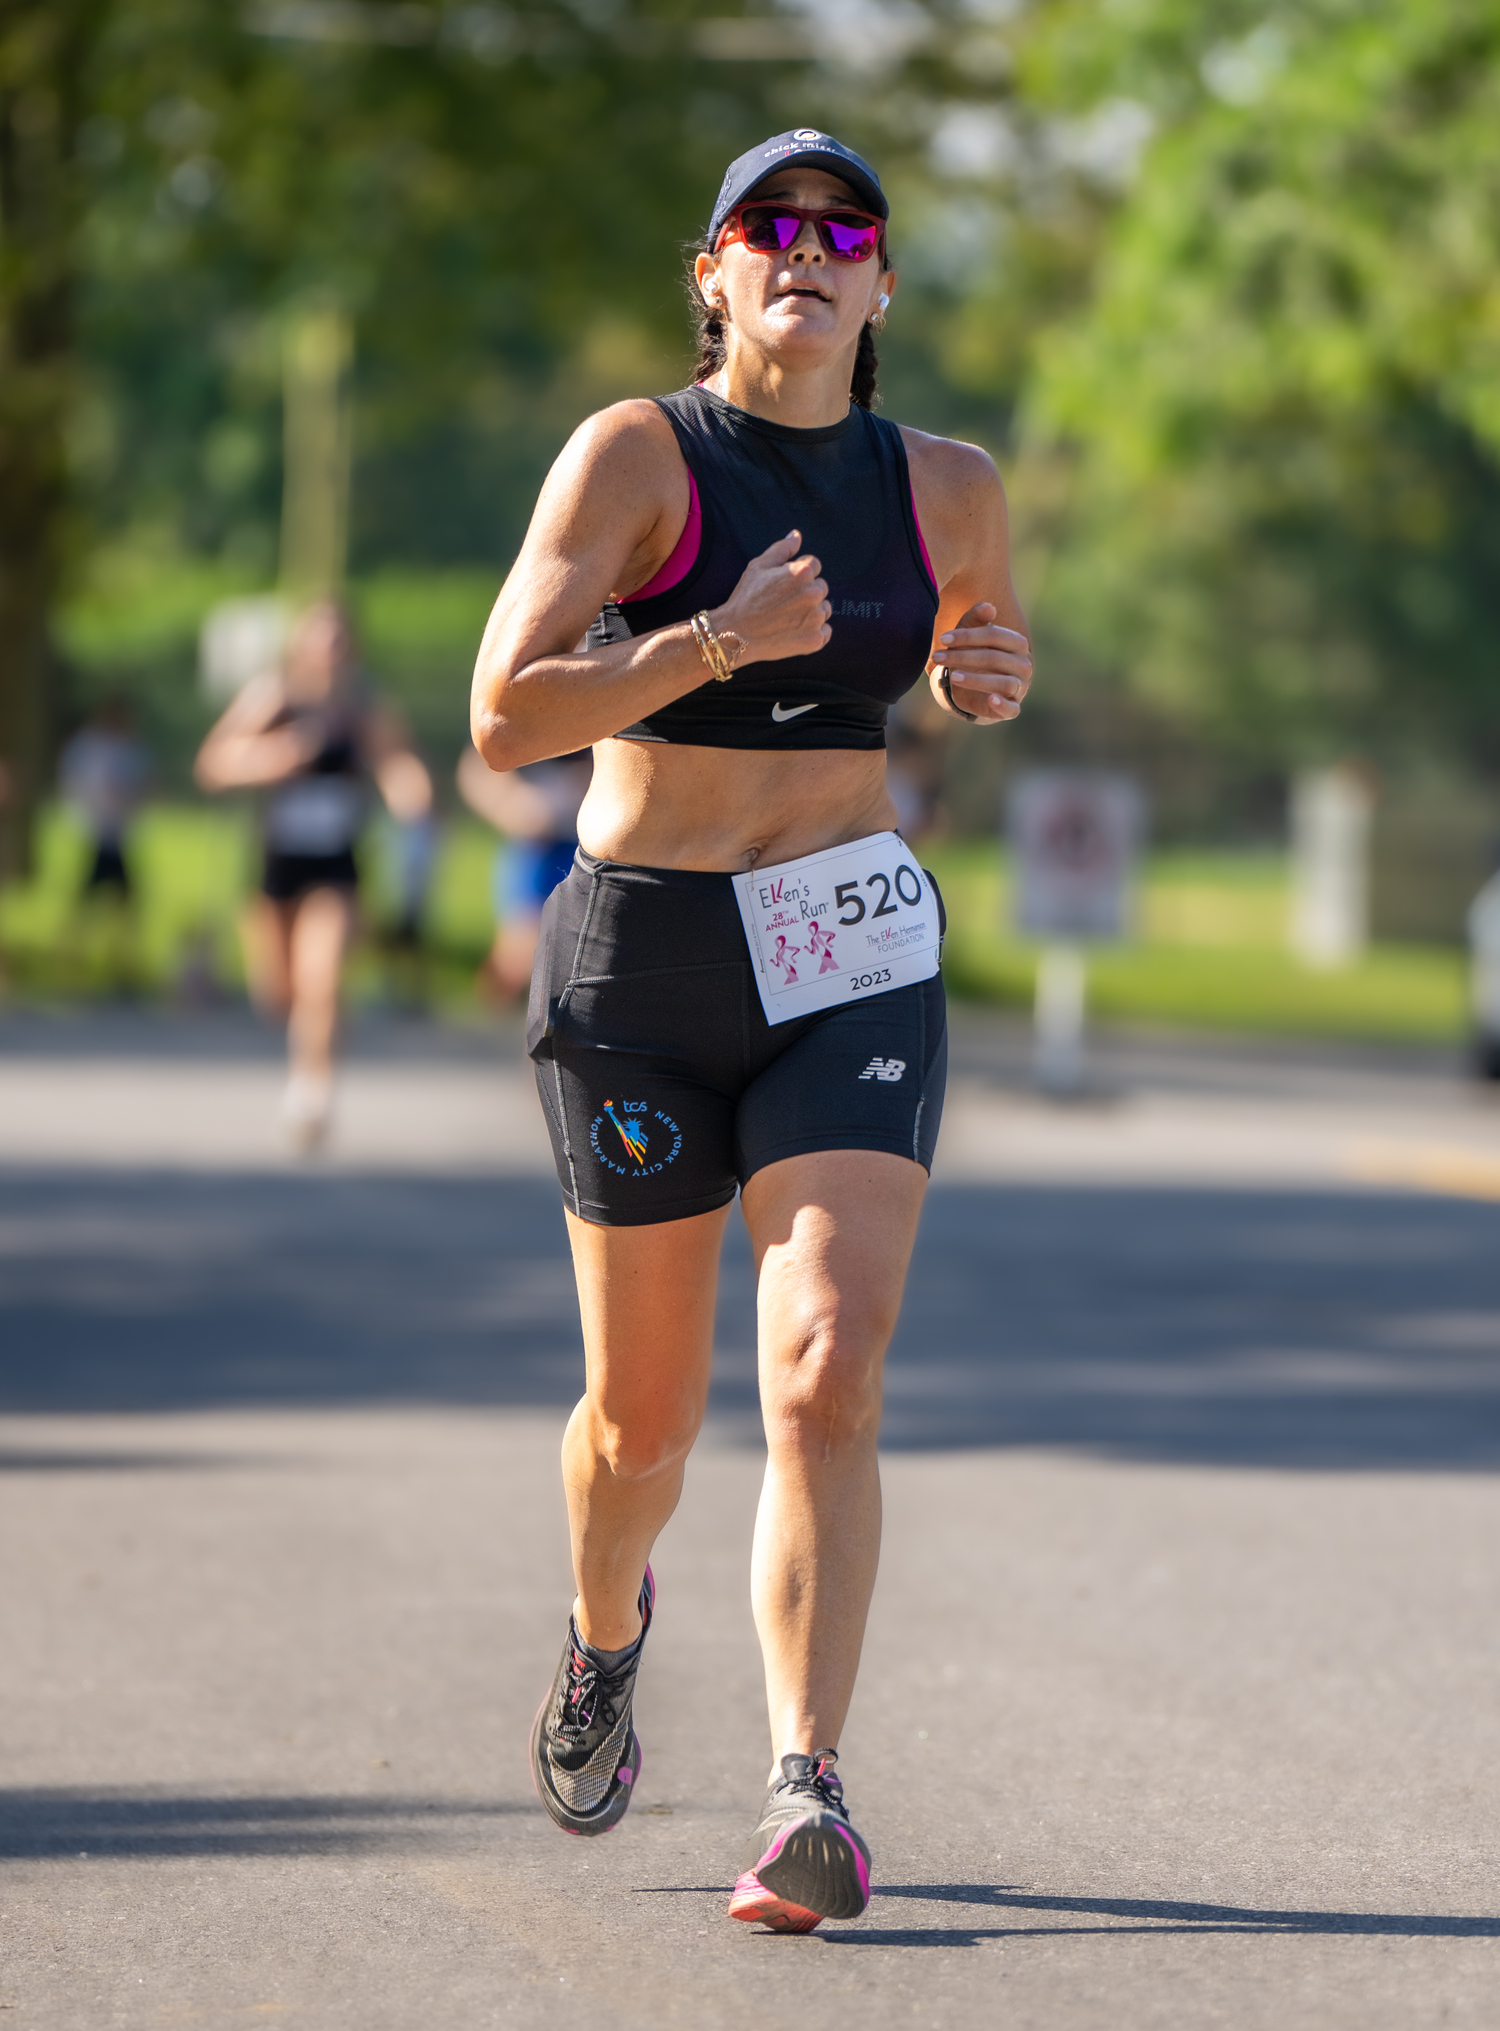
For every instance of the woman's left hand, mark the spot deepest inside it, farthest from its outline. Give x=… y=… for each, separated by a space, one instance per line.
x=988 y=666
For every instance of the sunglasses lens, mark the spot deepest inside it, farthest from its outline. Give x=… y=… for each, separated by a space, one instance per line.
x=850 y=237
x=767 y=230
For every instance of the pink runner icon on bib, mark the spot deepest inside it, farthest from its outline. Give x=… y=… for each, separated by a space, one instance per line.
x=820 y=944
x=786 y=956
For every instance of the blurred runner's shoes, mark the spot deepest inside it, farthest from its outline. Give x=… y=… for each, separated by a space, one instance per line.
x=306 y=1111
x=584 y=1754
x=805 y=1861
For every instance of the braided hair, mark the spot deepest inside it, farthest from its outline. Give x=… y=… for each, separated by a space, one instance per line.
x=708 y=330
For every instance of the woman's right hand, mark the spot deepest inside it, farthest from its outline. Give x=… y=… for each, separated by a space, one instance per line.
x=779 y=608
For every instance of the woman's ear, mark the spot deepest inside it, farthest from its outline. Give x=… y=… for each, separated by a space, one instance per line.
x=705 y=268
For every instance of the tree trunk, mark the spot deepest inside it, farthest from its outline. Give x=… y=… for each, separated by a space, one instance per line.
x=44 y=49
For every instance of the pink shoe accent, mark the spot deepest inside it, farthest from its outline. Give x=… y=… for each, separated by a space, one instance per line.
x=753 y=1903
x=625 y=1775
x=861 y=1866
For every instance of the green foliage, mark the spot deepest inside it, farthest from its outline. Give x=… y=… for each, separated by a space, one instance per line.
x=1216 y=284
x=492 y=204
x=1282 y=402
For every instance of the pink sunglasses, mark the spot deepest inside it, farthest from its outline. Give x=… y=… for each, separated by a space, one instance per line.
x=768 y=228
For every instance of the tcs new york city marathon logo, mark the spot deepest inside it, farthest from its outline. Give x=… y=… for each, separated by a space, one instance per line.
x=643 y=1136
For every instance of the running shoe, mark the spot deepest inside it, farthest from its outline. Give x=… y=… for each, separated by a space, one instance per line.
x=805 y=1861
x=307 y=1112
x=584 y=1753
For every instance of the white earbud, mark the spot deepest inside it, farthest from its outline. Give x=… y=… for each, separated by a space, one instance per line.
x=885 y=301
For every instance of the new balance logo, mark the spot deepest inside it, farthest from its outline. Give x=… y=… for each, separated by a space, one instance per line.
x=886 y=1070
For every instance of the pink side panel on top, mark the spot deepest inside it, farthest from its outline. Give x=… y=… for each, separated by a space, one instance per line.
x=921 y=539
x=684 y=554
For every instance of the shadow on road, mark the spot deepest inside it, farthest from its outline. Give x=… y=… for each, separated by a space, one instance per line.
x=60 y=1824
x=1138 y=1914
x=1271 y=1328
x=1163 y=1914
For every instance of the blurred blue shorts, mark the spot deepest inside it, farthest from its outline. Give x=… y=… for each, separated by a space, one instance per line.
x=526 y=872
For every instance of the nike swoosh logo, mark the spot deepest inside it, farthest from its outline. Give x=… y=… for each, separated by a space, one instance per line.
x=779 y=716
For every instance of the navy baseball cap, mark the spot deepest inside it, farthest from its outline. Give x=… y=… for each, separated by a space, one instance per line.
x=803 y=147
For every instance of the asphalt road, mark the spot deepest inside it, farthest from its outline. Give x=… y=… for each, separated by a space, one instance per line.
x=1179 y=1702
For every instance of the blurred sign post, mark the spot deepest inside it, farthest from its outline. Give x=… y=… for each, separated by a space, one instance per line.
x=239 y=639
x=1330 y=866
x=1076 y=834
x=1484 y=977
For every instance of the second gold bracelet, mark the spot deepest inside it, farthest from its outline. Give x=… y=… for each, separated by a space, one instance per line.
x=710 y=648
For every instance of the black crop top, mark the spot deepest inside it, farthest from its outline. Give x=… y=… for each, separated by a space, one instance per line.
x=847 y=489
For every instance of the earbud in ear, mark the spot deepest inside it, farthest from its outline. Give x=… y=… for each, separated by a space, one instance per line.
x=885 y=301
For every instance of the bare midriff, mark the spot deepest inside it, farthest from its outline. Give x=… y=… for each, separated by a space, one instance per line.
x=724 y=810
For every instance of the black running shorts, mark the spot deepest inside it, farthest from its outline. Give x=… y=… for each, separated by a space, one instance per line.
x=663 y=1084
x=288 y=877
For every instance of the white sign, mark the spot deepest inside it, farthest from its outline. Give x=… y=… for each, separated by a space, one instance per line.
x=1484 y=947
x=239 y=640
x=1075 y=834
x=839 y=926
x=1331 y=811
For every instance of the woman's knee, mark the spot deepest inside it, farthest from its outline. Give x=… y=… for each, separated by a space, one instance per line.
x=634 y=1447
x=821 y=1382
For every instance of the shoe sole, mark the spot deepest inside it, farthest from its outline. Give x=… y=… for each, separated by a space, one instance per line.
x=613 y=1809
x=754 y=1904
x=815 y=1866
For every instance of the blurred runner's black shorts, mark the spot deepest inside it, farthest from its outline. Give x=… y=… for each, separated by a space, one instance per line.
x=663 y=1084
x=288 y=877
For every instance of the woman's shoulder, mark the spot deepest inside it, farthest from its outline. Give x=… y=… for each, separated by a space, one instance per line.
x=621 y=462
x=948 y=464
x=635 y=429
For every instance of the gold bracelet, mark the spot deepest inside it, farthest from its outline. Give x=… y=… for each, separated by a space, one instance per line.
x=710 y=648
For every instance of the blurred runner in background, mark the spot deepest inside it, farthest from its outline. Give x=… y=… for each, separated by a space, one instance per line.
x=408 y=861
x=311 y=736
x=103 y=773
x=536 y=808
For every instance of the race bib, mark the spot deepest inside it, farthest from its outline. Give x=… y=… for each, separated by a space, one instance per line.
x=315 y=815
x=839 y=926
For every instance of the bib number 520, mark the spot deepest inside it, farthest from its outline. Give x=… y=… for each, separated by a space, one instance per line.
x=847 y=897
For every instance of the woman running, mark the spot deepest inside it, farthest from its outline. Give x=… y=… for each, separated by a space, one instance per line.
x=737 y=984
x=307 y=736
x=535 y=810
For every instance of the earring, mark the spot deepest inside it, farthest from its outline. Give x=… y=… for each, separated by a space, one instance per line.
x=878 y=320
